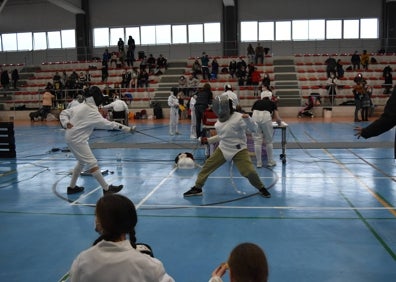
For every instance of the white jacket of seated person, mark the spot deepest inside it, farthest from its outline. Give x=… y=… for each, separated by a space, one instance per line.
x=118 y=106
x=117 y=261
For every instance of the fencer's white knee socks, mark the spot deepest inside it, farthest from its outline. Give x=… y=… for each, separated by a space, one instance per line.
x=99 y=177
x=76 y=173
x=270 y=152
x=258 y=152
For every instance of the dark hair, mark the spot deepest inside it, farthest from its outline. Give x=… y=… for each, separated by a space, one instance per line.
x=247 y=262
x=116 y=215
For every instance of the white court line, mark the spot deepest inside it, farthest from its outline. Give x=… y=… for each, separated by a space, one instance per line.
x=155 y=188
x=268 y=207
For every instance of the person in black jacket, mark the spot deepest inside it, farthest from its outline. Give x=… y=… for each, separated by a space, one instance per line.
x=384 y=123
x=203 y=100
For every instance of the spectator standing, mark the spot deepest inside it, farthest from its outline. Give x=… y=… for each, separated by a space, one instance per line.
x=331 y=87
x=131 y=51
x=47 y=103
x=355 y=60
x=340 y=69
x=256 y=79
x=215 y=69
x=173 y=103
x=204 y=100
x=365 y=59
x=259 y=54
x=162 y=62
x=331 y=66
x=121 y=45
x=232 y=67
x=15 y=78
x=106 y=57
x=5 y=79
x=193 y=128
x=251 y=54
x=205 y=66
x=196 y=68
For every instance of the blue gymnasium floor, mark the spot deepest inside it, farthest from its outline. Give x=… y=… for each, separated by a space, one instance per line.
x=331 y=217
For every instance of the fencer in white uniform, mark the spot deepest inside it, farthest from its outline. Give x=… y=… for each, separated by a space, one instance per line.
x=263 y=110
x=79 y=122
x=173 y=103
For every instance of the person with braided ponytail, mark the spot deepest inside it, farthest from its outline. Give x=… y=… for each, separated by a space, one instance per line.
x=114 y=256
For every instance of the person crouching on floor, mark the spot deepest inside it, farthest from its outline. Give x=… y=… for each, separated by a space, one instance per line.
x=231 y=129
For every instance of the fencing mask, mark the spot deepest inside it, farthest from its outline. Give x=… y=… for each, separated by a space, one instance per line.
x=222 y=106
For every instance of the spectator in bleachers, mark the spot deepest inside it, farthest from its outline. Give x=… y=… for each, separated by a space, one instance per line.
x=366 y=101
x=82 y=79
x=215 y=69
x=105 y=73
x=255 y=80
x=241 y=63
x=388 y=79
x=134 y=76
x=162 y=62
x=251 y=54
x=15 y=78
x=151 y=63
x=5 y=79
x=131 y=51
x=241 y=75
x=331 y=87
x=340 y=69
x=106 y=57
x=87 y=76
x=331 y=66
x=355 y=60
x=232 y=67
x=143 y=63
x=192 y=84
x=196 y=68
x=259 y=54
x=143 y=78
x=266 y=81
x=47 y=102
x=56 y=78
x=183 y=85
x=365 y=59
x=205 y=66
x=121 y=45
x=121 y=59
x=113 y=59
x=64 y=78
x=126 y=79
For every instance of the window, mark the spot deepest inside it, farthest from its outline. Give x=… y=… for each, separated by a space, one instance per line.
x=316 y=29
x=24 y=41
x=266 y=31
x=248 y=31
x=300 y=30
x=212 y=32
x=39 y=41
x=163 y=34
x=134 y=32
x=195 y=33
x=148 y=34
x=283 y=30
x=54 y=40
x=351 y=29
x=101 y=37
x=334 y=29
x=368 y=28
x=9 y=42
x=115 y=35
x=68 y=38
x=179 y=34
